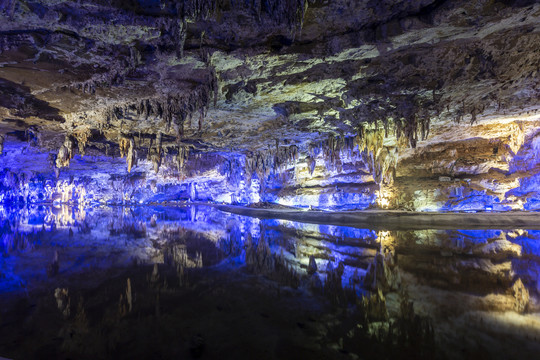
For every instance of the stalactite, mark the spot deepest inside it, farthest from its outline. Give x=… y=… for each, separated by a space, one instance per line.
x=287 y=12
x=201 y=118
x=114 y=77
x=1 y=144
x=182 y=157
x=65 y=153
x=311 y=164
x=381 y=160
x=159 y=147
x=311 y=150
x=172 y=108
x=34 y=136
x=124 y=146
x=82 y=139
x=182 y=35
x=384 y=166
x=131 y=157
x=473 y=116
x=248 y=170
x=331 y=153
x=155 y=153
x=261 y=168
x=406 y=120
x=423 y=118
x=371 y=141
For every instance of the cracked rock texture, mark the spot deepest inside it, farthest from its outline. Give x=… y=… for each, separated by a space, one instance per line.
x=419 y=105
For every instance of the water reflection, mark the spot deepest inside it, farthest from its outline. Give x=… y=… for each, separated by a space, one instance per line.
x=450 y=293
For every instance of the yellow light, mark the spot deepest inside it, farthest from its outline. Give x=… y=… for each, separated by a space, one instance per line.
x=384 y=197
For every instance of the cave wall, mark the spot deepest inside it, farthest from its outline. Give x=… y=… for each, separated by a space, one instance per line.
x=414 y=105
x=481 y=167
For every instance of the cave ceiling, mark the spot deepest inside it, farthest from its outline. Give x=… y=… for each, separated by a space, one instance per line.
x=241 y=76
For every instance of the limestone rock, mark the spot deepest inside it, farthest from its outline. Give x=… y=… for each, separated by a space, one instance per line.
x=410 y=105
x=521 y=296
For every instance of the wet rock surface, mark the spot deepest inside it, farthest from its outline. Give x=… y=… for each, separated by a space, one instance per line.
x=299 y=111
x=415 y=105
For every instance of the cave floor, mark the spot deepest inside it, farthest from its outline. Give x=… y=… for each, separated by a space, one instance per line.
x=397 y=219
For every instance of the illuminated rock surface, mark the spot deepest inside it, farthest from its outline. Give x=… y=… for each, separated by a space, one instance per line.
x=416 y=105
x=299 y=110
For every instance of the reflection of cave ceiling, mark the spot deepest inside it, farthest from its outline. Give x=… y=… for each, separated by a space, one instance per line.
x=241 y=77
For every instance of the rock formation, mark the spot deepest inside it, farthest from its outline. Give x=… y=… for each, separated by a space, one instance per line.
x=418 y=105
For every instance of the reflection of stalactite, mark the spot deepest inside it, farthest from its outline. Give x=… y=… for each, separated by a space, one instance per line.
x=260 y=259
x=13 y=240
x=125 y=304
x=52 y=268
x=63 y=301
x=382 y=273
x=333 y=287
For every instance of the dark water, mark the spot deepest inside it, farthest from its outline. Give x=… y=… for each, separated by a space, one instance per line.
x=195 y=282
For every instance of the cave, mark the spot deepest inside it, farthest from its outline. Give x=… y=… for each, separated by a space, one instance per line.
x=323 y=179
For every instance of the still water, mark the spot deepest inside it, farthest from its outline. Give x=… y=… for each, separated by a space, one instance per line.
x=196 y=282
